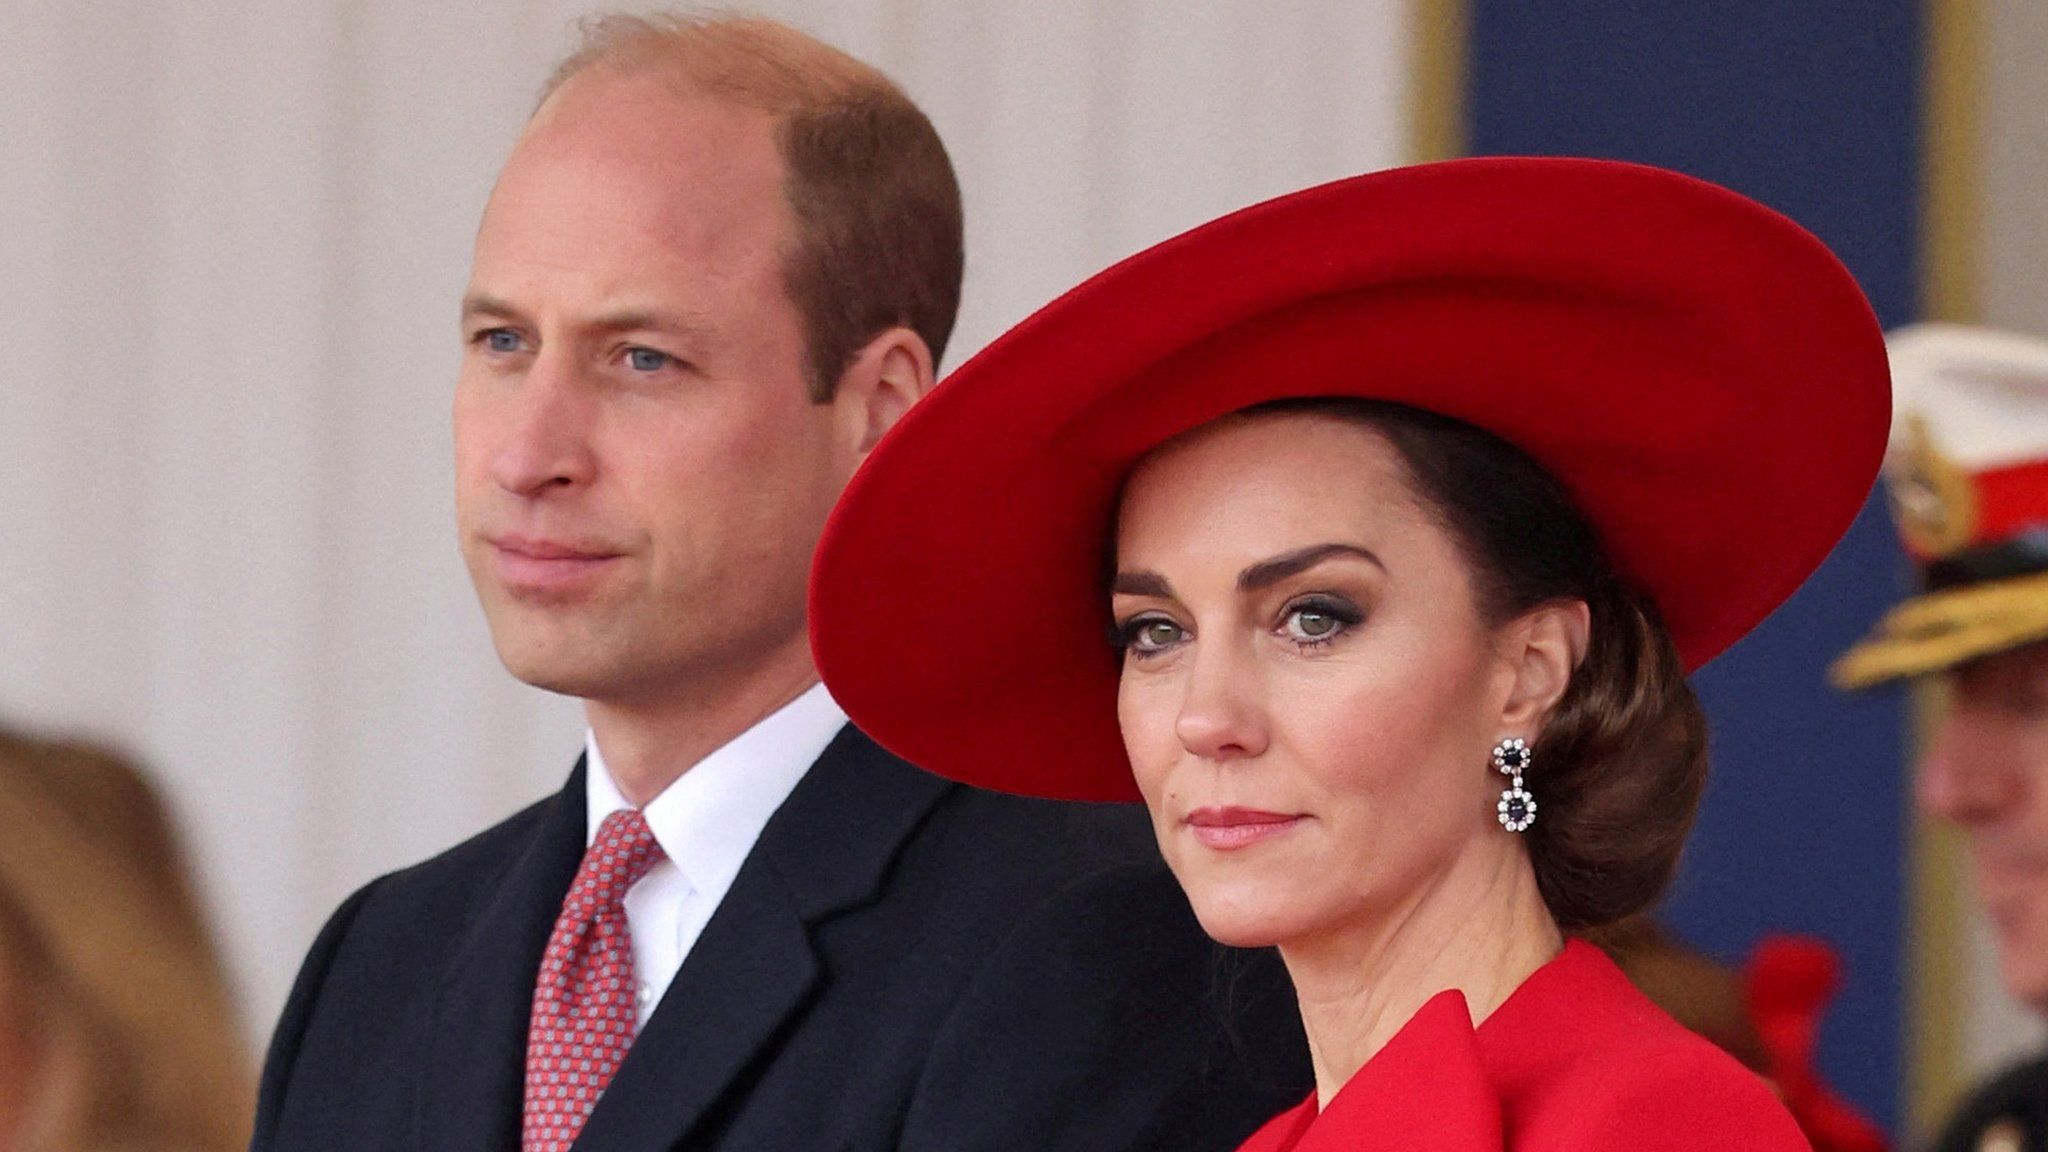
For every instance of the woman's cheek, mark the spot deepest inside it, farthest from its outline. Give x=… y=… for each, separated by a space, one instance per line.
x=1147 y=722
x=1341 y=719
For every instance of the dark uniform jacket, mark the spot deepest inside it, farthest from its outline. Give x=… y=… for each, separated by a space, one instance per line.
x=901 y=963
x=2008 y=1113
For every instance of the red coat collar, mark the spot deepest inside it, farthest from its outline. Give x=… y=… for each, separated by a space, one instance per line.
x=1445 y=1086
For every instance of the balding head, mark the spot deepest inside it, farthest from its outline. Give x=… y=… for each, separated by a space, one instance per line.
x=878 y=235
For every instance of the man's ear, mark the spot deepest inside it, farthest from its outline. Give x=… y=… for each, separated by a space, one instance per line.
x=1543 y=648
x=889 y=374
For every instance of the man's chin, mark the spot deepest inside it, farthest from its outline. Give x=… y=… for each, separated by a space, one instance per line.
x=549 y=678
x=2022 y=959
x=557 y=666
x=589 y=669
x=2025 y=976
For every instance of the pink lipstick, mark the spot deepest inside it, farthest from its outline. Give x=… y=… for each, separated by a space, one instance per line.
x=1228 y=829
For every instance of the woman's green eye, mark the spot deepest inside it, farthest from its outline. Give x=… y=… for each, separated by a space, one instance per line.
x=1315 y=623
x=1147 y=635
x=1157 y=633
x=1318 y=622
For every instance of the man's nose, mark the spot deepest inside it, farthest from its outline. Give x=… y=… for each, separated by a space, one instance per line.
x=546 y=435
x=1967 y=782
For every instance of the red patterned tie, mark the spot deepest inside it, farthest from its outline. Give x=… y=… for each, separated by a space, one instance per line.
x=583 y=1014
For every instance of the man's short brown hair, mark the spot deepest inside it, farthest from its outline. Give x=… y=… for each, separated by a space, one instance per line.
x=877 y=207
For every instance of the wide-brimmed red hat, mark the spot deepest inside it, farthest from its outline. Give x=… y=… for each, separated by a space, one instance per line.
x=1701 y=373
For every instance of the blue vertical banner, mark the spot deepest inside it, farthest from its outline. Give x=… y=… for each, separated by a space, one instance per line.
x=1813 y=109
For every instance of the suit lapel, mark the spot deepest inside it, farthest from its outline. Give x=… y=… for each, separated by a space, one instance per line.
x=475 y=1068
x=753 y=970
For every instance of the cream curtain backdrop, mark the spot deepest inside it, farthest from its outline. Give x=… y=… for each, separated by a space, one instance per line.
x=234 y=233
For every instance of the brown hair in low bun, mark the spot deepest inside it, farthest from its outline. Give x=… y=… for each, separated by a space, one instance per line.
x=1621 y=762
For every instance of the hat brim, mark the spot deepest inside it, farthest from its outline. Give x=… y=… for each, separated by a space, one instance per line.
x=1936 y=631
x=1700 y=372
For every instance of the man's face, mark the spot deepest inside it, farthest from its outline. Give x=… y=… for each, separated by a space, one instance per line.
x=640 y=475
x=1987 y=771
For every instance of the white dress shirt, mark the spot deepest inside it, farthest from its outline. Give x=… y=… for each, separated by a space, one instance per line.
x=707 y=822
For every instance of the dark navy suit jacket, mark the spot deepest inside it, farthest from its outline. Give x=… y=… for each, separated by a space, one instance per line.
x=901 y=963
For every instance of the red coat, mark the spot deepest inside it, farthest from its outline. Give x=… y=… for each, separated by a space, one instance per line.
x=1577 y=1060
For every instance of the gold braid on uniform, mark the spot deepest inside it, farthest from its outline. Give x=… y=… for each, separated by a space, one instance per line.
x=1943 y=629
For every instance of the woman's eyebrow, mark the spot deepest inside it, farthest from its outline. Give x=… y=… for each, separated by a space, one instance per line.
x=1141 y=584
x=1266 y=573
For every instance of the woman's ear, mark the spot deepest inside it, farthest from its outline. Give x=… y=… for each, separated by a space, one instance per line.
x=889 y=374
x=1544 y=648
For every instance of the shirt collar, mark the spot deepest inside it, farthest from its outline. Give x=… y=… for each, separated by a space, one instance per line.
x=707 y=821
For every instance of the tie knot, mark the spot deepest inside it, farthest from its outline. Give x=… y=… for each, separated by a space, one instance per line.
x=622 y=852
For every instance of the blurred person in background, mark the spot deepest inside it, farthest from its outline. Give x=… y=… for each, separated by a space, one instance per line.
x=1967 y=474
x=116 y=1026
x=720 y=263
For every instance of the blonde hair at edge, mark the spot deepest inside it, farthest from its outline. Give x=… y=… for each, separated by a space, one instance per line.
x=116 y=1031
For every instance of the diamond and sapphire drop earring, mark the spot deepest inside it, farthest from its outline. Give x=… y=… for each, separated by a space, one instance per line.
x=1517 y=809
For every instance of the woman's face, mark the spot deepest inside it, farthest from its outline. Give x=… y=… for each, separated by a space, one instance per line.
x=1310 y=696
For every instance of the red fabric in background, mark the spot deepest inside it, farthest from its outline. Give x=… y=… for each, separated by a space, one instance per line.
x=1788 y=985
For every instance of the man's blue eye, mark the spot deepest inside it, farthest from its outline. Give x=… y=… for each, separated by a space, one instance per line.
x=647 y=360
x=502 y=340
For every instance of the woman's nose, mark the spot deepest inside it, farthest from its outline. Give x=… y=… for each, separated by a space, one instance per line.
x=1220 y=717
